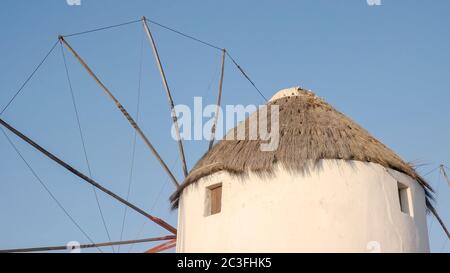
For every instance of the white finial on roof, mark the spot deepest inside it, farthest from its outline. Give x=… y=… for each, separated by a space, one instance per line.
x=290 y=92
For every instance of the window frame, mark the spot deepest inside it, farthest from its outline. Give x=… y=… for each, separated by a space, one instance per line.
x=213 y=201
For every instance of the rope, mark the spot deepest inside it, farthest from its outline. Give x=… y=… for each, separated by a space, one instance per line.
x=133 y=153
x=28 y=79
x=47 y=189
x=246 y=76
x=101 y=28
x=84 y=144
x=184 y=34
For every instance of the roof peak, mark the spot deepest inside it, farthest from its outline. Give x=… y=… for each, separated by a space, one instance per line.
x=292 y=92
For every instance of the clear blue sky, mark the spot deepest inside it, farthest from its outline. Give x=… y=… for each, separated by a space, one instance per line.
x=387 y=67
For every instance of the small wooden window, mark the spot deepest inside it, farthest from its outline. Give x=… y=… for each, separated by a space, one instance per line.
x=215 y=199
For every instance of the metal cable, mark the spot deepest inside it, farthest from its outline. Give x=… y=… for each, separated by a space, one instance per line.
x=28 y=79
x=246 y=76
x=133 y=153
x=184 y=34
x=84 y=144
x=101 y=28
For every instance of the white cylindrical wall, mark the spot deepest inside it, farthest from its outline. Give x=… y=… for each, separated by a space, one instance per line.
x=339 y=206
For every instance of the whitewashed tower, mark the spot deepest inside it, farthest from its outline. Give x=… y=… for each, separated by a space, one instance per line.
x=329 y=187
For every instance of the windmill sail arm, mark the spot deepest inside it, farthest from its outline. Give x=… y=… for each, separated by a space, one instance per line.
x=219 y=99
x=169 y=96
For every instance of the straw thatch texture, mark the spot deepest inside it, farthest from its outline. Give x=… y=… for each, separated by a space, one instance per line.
x=310 y=130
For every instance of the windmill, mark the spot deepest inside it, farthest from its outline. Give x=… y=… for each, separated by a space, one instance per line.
x=227 y=161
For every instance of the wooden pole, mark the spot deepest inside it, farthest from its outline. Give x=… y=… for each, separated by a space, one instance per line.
x=169 y=96
x=123 y=110
x=89 y=180
x=219 y=98
x=53 y=248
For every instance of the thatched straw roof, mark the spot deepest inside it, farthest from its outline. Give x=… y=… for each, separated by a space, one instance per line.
x=310 y=130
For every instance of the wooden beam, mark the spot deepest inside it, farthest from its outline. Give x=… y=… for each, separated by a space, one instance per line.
x=169 y=96
x=219 y=98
